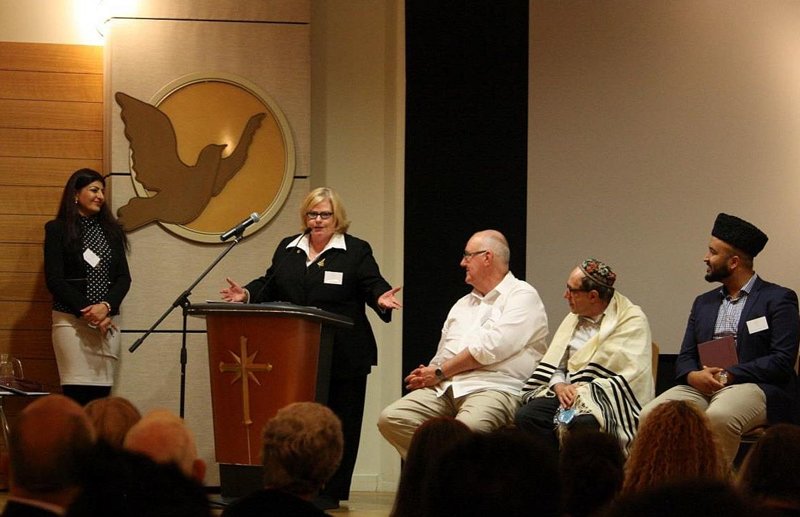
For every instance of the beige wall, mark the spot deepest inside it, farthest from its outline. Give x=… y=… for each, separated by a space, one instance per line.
x=646 y=120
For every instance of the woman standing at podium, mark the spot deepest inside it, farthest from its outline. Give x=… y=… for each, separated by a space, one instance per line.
x=325 y=267
x=87 y=273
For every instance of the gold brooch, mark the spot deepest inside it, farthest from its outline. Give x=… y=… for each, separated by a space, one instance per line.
x=321 y=263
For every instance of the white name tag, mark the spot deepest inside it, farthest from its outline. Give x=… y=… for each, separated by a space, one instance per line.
x=91 y=257
x=757 y=325
x=334 y=277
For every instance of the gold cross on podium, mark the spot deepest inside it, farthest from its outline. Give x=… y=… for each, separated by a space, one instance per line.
x=244 y=368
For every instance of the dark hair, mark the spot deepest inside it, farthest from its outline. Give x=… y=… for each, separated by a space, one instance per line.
x=54 y=466
x=687 y=498
x=597 y=453
x=430 y=441
x=68 y=211
x=605 y=293
x=507 y=472
x=771 y=470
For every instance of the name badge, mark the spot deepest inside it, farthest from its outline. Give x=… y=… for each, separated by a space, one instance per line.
x=757 y=325
x=334 y=277
x=91 y=257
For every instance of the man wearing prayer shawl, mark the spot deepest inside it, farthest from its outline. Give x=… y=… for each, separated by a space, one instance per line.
x=597 y=372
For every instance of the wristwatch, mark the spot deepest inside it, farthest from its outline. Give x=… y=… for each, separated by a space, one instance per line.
x=439 y=373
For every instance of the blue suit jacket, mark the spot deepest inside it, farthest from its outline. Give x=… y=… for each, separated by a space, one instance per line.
x=766 y=358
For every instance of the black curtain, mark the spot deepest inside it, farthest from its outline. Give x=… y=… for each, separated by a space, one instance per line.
x=466 y=150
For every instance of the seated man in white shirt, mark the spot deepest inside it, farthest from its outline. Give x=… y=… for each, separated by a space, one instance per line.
x=491 y=341
x=597 y=371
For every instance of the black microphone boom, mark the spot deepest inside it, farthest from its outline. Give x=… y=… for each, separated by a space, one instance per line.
x=239 y=228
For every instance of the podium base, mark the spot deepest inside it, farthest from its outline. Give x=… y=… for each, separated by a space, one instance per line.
x=239 y=480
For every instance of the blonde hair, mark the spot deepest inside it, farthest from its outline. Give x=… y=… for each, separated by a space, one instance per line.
x=302 y=449
x=318 y=195
x=112 y=417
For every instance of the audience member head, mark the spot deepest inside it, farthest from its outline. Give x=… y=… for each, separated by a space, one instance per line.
x=165 y=438
x=123 y=483
x=302 y=448
x=47 y=445
x=591 y=470
x=506 y=472
x=674 y=443
x=112 y=417
x=430 y=440
x=771 y=470
x=693 y=498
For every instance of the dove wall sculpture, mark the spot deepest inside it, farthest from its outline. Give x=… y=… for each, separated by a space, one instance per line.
x=181 y=191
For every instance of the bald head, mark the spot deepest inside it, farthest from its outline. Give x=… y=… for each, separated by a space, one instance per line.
x=164 y=437
x=47 y=444
x=497 y=243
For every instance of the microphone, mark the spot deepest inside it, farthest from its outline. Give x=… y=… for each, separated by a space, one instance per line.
x=239 y=228
x=278 y=266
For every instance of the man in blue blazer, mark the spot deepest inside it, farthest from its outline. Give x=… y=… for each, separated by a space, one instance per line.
x=763 y=318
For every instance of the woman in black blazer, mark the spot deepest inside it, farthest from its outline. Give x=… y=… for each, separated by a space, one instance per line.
x=87 y=273
x=325 y=267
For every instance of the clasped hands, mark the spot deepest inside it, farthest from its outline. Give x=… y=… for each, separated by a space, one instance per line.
x=709 y=379
x=98 y=315
x=421 y=377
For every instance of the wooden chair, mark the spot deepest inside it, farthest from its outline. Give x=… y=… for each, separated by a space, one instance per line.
x=654 y=347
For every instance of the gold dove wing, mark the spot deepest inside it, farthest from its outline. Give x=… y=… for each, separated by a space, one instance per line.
x=230 y=166
x=154 y=146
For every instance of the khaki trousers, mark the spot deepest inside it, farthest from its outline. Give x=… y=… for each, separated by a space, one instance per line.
x=732 y=411
x=483 y=411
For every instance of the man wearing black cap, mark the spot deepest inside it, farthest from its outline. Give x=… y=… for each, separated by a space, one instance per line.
x=597 y=372
x=763 y=318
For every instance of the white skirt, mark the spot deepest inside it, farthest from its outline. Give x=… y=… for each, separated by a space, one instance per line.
x=83 y=355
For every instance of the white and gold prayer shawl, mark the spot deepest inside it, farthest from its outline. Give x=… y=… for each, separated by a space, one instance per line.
x=613 y=370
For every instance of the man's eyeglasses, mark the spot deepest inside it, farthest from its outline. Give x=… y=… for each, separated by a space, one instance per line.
x=322 y=215
x=469 y=254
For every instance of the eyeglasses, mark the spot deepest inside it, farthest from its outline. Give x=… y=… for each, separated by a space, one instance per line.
x=469 y=254
x=322 y=215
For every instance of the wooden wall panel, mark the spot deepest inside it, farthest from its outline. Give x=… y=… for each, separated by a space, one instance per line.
x=21 y=258
x=36 y=344
x=49 y=86
x=27 y=200
x=23 y=229
x=43 y=57
x=51 y=98
x=51 y=143
x=35 y=114
x=42 y=171
x=23 y=287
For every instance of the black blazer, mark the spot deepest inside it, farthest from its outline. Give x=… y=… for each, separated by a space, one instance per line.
x=766 y=358
x=288 y=280
x=65 y=272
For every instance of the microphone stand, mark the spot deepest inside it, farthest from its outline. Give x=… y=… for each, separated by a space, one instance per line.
x=183 y=301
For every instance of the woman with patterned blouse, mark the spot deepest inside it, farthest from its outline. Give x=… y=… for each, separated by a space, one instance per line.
x=87 y=273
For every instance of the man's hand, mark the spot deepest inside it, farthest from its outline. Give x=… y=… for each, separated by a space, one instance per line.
x=566 y=393
x=421 y=377
x=705 y=380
